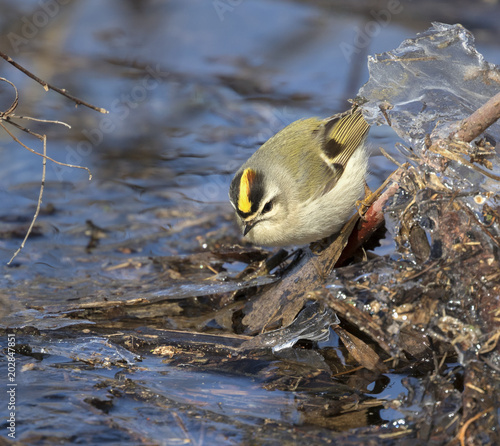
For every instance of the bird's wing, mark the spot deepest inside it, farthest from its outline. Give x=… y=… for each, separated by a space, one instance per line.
x=341 y=135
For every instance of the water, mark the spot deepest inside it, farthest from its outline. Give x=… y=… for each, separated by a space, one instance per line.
x=193 y=90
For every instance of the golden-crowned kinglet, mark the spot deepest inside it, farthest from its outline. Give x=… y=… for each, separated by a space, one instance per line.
x=303 y=183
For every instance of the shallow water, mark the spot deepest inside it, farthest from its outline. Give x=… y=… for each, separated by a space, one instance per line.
x=193 y=89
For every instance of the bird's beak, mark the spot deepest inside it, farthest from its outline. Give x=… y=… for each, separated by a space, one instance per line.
x=248 y=227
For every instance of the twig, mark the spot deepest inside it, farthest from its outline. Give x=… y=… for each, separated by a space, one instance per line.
x=6 y=116
x=48 y=87
x=29 y=118
x=45 y=156
x=475 y=124
x=39 y=203
x=463 y=429
x=389 y=157
x=15 y=102
x=436 y=148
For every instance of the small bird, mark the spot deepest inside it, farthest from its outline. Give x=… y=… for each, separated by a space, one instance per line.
x=303 y=183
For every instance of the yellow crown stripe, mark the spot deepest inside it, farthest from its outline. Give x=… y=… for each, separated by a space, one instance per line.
x=244 y=203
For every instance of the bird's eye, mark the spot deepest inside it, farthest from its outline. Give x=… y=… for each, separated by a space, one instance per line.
x=268 y=206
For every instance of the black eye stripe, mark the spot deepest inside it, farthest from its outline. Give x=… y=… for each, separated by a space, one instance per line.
x=268 y=206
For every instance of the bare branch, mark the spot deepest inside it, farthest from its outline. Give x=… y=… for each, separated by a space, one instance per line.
x=475 y=124
x=29 y=118
x=39 y=203
x=15 y=102
x=7 y=118
x=48 y=87
x=45 y=156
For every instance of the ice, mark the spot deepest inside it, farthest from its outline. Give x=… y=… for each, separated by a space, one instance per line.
x=429 y=82
x=423 y=90
x=312 y=323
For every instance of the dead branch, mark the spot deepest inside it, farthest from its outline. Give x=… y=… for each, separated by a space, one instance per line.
x=41 y=137
x=472 y=126
x=7 y=117
x=48 y=87
x=39 y=202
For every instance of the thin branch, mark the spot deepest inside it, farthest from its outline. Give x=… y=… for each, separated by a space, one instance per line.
x=39 y=203
x=29 y=118
x=443 y=151
x=45 y=156
x=475 y=124
x=7 y=117
x=15 y=102
x=463 y=429
x=48 y=87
